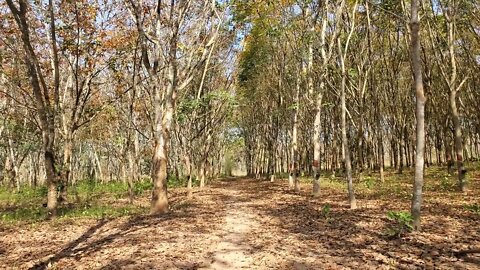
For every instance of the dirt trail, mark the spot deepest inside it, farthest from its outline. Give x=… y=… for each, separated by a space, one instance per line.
x=246 y=224
x=234 y=249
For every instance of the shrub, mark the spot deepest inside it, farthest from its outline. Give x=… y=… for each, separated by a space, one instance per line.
x=326 y=210
x=400 y=224
x=369 y=182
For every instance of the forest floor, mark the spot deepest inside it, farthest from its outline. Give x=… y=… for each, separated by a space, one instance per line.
x=242 y=223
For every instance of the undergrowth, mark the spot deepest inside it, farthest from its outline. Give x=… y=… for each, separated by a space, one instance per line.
x=87 y=199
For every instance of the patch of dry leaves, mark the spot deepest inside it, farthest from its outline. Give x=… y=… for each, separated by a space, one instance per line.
x=285 y=230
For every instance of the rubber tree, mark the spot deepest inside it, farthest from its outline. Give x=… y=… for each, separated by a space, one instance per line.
x=420 y=99
x=42 y=92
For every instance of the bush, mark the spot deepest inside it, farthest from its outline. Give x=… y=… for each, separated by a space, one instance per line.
x=400 y=224
x=326 y=210
x=369 y=182
x=173 y=182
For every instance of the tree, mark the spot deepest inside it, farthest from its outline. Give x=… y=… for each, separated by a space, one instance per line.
x=342 y=54
x=46 y=106
x=170 y=60
x=420 y=113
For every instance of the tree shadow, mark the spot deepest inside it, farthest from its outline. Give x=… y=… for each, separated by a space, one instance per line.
x=292 y=221
x=353 y=238
x=74 y=250
x=91 y=241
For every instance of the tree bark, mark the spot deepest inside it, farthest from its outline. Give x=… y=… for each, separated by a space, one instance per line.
x=293 y=179
x=67 y=167
x=44 y=107
x=345 y=146
x=420 y=114
x=458 y=140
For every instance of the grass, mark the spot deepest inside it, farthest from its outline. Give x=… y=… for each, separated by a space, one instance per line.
x=475 y=208
x=25 y=194
x=91 y=199
x=87 y=199
x=398 y=186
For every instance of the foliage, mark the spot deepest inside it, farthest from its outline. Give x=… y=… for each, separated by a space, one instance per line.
x=177 y=182
x=26 y=205
x=326 y=208
x=369 y=182
x=400 y=224
x=92 y=187
x=475 y=208
x=36 y=214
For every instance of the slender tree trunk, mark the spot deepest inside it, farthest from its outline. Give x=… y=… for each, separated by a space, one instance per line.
x=132 y=174
x=346 y=150
x=458 y=139
x=448 y=156
x=316 y=147
x=67 y=166
x=11 y=161
x=202 y=173
x=44 y=106
x=318 y=113
x=400 y=158
x=420 y=114
x=293 y=181
x=345 y=146
x=334 y=152
x=189 y=176
x=381 y=158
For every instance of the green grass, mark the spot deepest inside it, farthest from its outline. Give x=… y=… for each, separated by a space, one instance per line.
x=32 y=214
x=25 y=194
x=36 y=214
x=92 y=199
x=474 y=208
x=86 y=199
x=395 y=185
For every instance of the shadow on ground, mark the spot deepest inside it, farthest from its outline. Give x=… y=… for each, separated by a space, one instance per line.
x=292 y=231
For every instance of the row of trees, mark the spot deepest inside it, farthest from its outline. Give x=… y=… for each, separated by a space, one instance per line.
x=113 y=90
x=327 y=85
x=121 y=89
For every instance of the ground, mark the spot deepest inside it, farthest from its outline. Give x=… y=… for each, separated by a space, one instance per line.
x=243 y=223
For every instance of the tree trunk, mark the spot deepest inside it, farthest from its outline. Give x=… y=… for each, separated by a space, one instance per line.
x=400 y=158
x=316 y=147
x=462 y=185
x=293 y=181
x=345 y=146
x=448 y=156
x=159 y=203
x=202 y=173
x=67 y=167
x=131 y=175
x=420 y=114
x=45 y=108
x=346 y=150
x=189 y=176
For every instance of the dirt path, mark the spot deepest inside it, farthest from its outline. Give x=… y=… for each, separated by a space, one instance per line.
x=247 y=224
x=234 y=249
